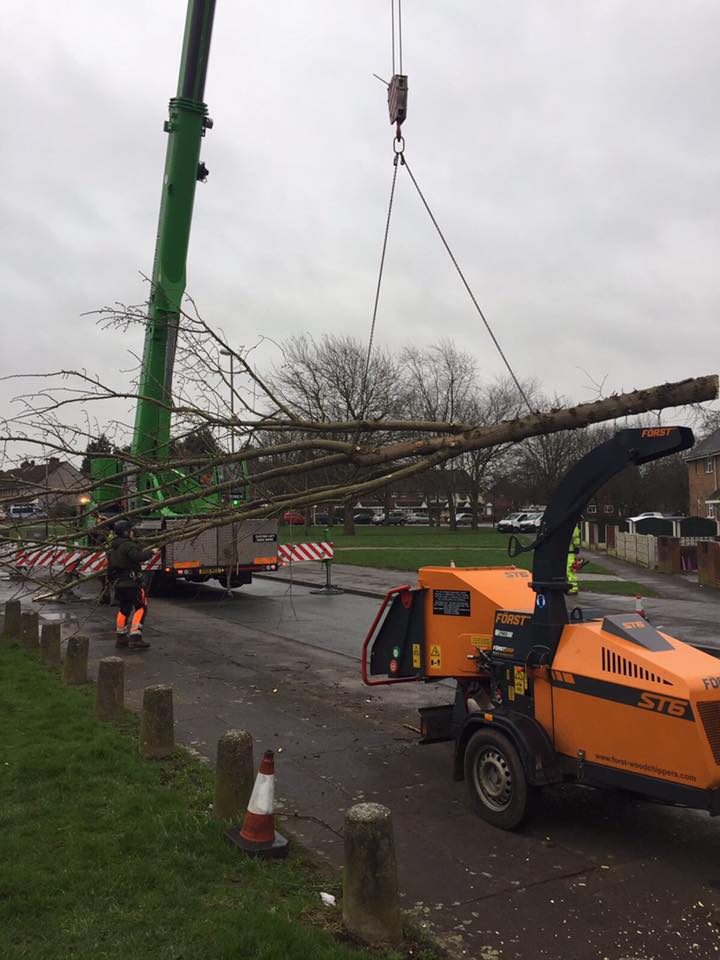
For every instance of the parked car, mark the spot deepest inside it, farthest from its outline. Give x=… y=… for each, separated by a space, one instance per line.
x=463 y=519
x=419 y=519
x=393 y=519
x=292 y=517
x=511 y=523
x=363 y=519
x=531 y=523
x=23 y=511
x=323 y=519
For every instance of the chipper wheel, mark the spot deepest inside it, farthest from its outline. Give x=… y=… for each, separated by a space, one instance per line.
x=496 y=780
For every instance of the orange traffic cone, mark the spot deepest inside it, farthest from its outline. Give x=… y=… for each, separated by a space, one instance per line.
x=257 y=835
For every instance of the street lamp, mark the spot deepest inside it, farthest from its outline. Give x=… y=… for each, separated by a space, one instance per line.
x=83 y=500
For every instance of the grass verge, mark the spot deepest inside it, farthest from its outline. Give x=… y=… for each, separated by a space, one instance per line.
x=408 y=548
x=104 y=855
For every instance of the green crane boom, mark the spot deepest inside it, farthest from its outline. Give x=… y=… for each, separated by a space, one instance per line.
x=232 y=551
x=185 y=127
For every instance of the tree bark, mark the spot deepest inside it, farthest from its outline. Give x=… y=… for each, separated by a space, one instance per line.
x=348 y=523
x=450 y=500
x=475 y=495
x=388 y=501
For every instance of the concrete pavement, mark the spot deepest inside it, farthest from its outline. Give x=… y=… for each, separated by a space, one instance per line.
x=595 y=874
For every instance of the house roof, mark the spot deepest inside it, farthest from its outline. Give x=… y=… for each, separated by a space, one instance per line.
x=706 y=448
x=34 y=474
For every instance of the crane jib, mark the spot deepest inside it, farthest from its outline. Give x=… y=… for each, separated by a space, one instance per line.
x=186 y=126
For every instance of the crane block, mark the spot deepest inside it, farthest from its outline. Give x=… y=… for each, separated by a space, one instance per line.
x=397 y=98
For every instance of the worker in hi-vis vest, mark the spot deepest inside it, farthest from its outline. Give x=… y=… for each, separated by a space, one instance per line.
x=572 y=561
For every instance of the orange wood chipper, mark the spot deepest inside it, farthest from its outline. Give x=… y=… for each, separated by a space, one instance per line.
x=545 y=696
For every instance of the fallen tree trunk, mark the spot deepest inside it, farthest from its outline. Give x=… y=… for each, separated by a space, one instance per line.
x=410 y=458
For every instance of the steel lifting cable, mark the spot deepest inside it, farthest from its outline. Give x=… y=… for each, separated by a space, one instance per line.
x=380 y=272
x=399 y=160
x=397 y=101
x=397 y=105
x=392 y=31
x=400 y=34
x=467 y=286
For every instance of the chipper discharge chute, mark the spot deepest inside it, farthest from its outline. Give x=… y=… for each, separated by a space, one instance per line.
x=543 y=696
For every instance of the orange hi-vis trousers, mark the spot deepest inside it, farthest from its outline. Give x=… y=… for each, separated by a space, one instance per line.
x=133 y=607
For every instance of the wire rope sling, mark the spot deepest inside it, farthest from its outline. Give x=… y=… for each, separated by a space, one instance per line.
x=397 y=98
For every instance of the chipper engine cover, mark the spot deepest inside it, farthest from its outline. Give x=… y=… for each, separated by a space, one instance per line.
x=437 y=629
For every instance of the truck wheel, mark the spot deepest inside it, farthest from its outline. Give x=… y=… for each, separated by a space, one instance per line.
x=496 y=779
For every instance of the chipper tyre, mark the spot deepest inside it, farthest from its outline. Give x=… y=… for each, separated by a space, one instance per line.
x=496 y=780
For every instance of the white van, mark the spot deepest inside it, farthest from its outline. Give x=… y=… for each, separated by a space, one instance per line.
x=21 y=511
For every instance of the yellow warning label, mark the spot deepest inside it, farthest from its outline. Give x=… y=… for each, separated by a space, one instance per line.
x=511 y=693
x=416 y=656
x=481 y=641
x=435 y=656
x=520 y=680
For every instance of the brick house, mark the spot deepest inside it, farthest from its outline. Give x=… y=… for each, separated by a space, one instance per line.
x=31 y=481
x=703 y=464
x=602 y=508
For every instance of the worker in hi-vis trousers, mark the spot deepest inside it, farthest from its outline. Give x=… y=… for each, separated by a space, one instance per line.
x=572 y=561
x=125 y=560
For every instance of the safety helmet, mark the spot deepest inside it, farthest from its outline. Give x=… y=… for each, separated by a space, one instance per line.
x=122 y=528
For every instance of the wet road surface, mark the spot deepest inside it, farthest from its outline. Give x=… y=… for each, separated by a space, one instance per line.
x=594 y=875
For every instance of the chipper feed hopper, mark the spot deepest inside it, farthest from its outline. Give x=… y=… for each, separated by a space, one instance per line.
x=545 y=696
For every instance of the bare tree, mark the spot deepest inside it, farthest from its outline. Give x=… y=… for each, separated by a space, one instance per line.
x=299 y=442
x=442 y=386
x=331 y=379
x=490 y=404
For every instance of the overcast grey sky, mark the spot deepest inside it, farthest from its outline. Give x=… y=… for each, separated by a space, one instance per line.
x=570 y=150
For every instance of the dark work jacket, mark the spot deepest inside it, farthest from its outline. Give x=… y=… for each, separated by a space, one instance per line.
x=125 y=560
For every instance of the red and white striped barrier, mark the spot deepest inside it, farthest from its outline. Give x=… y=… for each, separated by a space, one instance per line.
x=61 y=559
x=298 y=552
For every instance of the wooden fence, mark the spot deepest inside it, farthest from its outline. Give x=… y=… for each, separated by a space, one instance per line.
x=637 y=548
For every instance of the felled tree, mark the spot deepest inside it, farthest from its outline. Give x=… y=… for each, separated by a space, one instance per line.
x=293 y=453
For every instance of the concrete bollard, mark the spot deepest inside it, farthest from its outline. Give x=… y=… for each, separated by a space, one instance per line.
x=50 y=644
x=371 y=905
x=29 y=624
x=12 y=626
x=234 y=774
x=157 y=731
x=75 y=663
x=110 y=692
